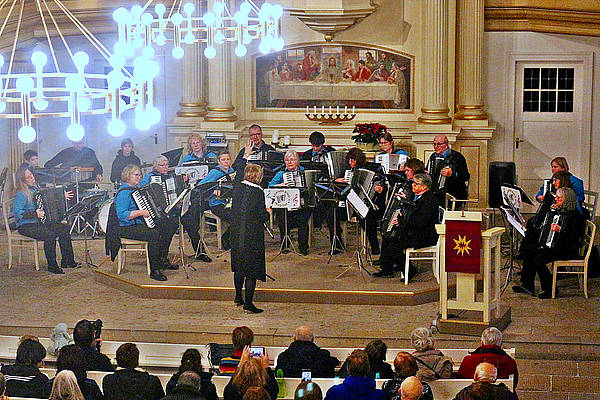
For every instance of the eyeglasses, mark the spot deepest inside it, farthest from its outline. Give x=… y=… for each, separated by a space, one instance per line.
x=163 y=165
x=255 y=134
x=439 y=144
x=415 y=183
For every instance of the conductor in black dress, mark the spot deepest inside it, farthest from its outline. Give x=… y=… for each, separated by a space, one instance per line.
x=247 y=236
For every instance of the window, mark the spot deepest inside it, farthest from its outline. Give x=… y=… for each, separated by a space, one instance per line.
x=548 y=89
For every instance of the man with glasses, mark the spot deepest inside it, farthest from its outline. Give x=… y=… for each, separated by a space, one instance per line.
x=448 y=170
x=255 y=149
x=420 y=229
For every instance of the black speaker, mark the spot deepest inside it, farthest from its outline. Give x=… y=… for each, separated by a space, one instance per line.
x=499 y=173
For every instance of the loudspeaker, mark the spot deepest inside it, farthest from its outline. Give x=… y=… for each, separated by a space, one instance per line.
x=499 y=173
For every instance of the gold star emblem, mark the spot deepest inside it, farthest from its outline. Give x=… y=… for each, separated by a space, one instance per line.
x=462 y=245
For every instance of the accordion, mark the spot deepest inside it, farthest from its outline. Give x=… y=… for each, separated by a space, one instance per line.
x=436 y=163
x=336 y=163
x=305 y=180
x=391 y=162
x=549 y=238
x=53 y=202
x=151 y=197
x=172 y=186
x=294 y=178
x=399 y=206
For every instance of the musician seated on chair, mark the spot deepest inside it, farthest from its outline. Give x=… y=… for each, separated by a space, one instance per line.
x=449 y=171
x=559 y=164
x=77 y=155
x=197 y=150
x=218 y=200
x=28 y=222
x=132 y=225
x=560 y=237
x=256 y=147
x=318 y=148
x=298 y=218
x=419 y=229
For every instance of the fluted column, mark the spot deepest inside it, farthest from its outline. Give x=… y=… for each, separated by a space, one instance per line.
x=220 y=107
x=192 y=102
x=435 y=78
x=469 y=64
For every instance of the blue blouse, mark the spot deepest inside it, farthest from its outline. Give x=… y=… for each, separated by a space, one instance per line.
x=193 y=157
x=212 y=176
x=278 y=178
x=124 y=205
x=23 y=204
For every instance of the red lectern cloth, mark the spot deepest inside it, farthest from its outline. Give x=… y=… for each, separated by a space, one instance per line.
x=463 y=246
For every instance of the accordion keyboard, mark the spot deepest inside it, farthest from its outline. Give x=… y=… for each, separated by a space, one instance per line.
x=144 y=204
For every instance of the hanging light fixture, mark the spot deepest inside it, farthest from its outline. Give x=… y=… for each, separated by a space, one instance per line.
x=65 y=89
x=139 y=30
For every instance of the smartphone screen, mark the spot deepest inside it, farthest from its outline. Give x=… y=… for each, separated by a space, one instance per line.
x=256 y=351
x=306 y=375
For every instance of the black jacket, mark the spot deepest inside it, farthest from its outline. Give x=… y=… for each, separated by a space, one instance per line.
x=131 y=384
x=207 y=388
x=380 y=367
x=97 y=361
x=496 y=391
x=456 y=183
x=231 y=393
x=307 y=155
x=420 y=230
x=184 y=392
x=70 y=157
x=89 y=388
x=306 y=355
x=121 y=162
x=391 y=389
x=240 y=162
x=25 y=381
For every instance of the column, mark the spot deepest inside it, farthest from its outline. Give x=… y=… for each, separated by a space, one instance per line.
x=192 y=100
x=435 y=74
x=220 y=107
x=470 y=60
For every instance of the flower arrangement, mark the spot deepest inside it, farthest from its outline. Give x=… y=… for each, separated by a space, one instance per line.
x=368 y=133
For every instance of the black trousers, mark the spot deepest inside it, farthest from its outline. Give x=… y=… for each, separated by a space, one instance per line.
x=296 y=219
x=238 y=281
x=48 y=233
x=158 y=241
x=534 y=263
x=392 y=254
x=225 y=214
x=372 y=227
x=325 y=211
x=191 y=222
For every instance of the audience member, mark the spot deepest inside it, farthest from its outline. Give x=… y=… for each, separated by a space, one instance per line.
x=2 y=387
x=24 y=379
x=405 y=366
x=251 y=372
x=192 y=361
x=433 y=364
x=71 y=358
x=378 y=367
x=187 y=388
x=484 y=387
x=241 y=337
x=490 y=351
x=65 y=387
x=31 y=337
x=411 y=389
x=256 y=393
x=84 y=337
x=129 y=382
x=308 y=390
x=303 y=353
x=357 y=385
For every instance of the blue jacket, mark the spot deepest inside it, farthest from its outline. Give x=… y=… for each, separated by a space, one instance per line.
x=577 y=188
x=22 y=207
x=192 y=157
x=355 y=388
x=278 y=178
x=212 y=176
x=124 y=205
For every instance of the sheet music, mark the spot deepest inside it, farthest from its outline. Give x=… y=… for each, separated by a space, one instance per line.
x=185 y=206
x=511 y=196
x=356 y=202
x=282 y=198
x=514 y=221
x=391 y=162
x=177 y=200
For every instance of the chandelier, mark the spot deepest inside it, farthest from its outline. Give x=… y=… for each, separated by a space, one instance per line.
x=139 y=30
x=62 y=87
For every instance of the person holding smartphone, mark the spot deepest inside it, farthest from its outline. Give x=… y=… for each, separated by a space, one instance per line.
x=252 y=371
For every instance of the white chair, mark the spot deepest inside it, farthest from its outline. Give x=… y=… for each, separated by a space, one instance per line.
x=591 y=202
x=131 y=246
x=218 y=224
x=15 y=239
x=581 y=265
x=433 y=255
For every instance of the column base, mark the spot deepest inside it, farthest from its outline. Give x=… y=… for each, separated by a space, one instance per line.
x=220 y=114
x=192 y=110
x=471 y=113
x=435 y=116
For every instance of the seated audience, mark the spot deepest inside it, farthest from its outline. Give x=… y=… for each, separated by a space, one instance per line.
x=411 y=389
x=484 y=386
x=23 y=378
x=251 y=372
x=71 y=358
x=303 y=353
x=308 y=391
x=490 y=351
x=187 y=388
x=256 y=393
x=433 y=364
x=241 y=337
x=378 y=367
x=65 y=387
x=83 y=335
x=405 y=366
x=357 y=385
x=128 y=382
x=192 y=361
x=2 y=387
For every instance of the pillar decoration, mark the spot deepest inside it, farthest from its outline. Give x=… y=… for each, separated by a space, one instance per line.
x=192 y=102
x=435 y=78
x=470 y=60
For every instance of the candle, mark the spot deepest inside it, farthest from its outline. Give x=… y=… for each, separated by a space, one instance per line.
x=345 y=109
x=322 y=109
x=307 y=109
x=286 y=140
x=329 y=109
x=275 y=138
x=315 y=110
x=338 y=110
x=352 y=109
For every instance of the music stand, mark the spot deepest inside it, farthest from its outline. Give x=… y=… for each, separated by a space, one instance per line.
x=86 y=205
x=331 y=187
x=173 y=156
x=513 y=197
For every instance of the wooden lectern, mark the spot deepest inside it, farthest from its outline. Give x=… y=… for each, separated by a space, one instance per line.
x=481 y=310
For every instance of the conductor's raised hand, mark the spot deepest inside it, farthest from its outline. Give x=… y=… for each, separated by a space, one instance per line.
x=69 y=195
x=248 y=149
x=378 y=188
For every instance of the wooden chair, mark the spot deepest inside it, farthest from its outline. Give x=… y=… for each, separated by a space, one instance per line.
x=129 y=246
x=15 y=239
x=218 y=224
x=579 y=267
x=591 y=202
x=433 y=256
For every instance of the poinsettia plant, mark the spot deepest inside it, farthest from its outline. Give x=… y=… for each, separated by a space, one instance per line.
x=368 y=132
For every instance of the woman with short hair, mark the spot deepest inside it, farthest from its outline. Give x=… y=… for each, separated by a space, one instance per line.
x=405 y=365
x=433 y=364
x=197 y=150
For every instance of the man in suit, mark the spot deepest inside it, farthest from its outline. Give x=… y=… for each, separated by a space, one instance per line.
x=448 y=170
x=420 y=229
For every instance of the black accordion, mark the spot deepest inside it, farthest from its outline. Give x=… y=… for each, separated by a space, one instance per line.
x=436 y=163
x=151 y=197
x=549 y=238
x=304 y=180
x=172 y=186
x=53 y=202
x=399 y=206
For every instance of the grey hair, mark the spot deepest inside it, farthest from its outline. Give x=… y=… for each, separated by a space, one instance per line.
x=293 y=153
x=568 y=194
x=485 y=372
x=425 y=179
x=304 y=333
x=491 y=336
x=421 y=339
x=189 y=378
x=159 y=159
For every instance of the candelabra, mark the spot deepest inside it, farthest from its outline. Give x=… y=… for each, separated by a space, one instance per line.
x=330 y=118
